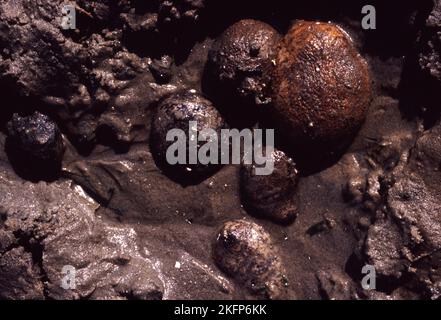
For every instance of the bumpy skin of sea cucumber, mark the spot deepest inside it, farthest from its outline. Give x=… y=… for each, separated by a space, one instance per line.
x=244 y=250
x=176 y=112
x=321 y=87
x=271 y=196
x=241 y=60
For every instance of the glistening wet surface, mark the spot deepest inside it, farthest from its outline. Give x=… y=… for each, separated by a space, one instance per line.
x=83 y=181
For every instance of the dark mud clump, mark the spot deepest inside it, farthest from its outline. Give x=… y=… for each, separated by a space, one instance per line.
x=245 y=251
x=271 y=197
x=35 y=145
x=429 y=53
x=42 y=225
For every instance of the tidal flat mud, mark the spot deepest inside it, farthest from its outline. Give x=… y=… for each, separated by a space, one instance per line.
x=83 y=117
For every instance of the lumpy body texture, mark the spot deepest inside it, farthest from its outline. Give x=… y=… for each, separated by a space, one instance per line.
x=179 y=112
x=321 y=84
x=245 y=251
x=242 y=59
x=272 y=196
